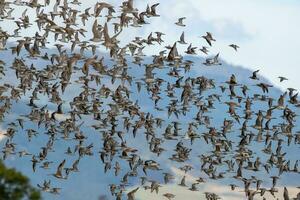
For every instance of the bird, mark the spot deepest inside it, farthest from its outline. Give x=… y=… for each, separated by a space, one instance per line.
x=153 y=10
x=286 y=194
x=212 y=61
x=73 y=74
x=234 y=46
x=169 y=196
x=204 y=50
x=180 y=22
x=264 y=87
x=181 y=41
x=254 y=75
x=281 y=78
x=60 y=167
x=209 y=38
x=130 y=195
x=191 y=50
x=182 y=182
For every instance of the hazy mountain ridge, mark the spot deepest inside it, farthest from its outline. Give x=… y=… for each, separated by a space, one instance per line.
x=91 y=182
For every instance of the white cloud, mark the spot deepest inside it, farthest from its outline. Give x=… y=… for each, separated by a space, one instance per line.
x=273 y=46
x=267 y=31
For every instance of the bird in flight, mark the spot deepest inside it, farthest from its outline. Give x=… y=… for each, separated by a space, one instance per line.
x=73 y=86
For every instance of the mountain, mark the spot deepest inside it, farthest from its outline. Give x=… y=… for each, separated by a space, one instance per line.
x=91 y=182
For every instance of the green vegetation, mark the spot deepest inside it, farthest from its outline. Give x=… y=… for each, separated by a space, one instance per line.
x=15 y=186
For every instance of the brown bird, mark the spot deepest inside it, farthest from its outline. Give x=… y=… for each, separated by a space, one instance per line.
x=180 y=22
x=169 y=196
x=209 y=38
x=60 y=167
x=130 y=195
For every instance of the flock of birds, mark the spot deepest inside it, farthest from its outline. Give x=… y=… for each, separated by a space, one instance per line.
x=106 y=93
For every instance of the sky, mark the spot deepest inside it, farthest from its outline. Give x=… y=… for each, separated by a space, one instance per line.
x=181 y=192
x=266 y=32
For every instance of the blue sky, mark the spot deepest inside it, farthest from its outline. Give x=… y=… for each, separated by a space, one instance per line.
x=266 y=31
